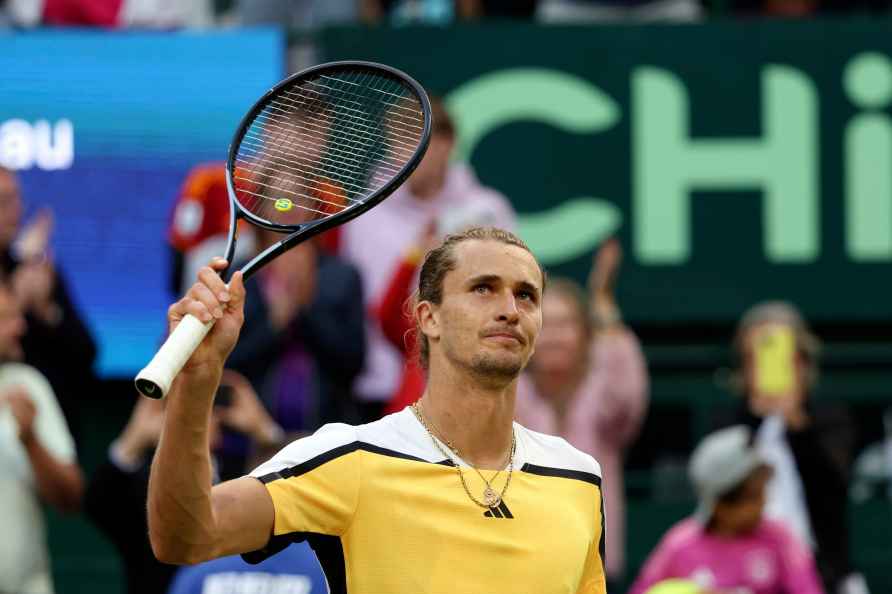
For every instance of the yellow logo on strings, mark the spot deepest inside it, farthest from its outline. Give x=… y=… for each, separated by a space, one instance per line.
x=284 y=204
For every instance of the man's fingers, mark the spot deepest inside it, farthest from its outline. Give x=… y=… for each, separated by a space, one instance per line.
x=236 y=290
x=205 y=302
x=218 y=263
x=212 y=280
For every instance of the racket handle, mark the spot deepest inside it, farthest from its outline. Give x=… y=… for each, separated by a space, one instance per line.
x=155 y=379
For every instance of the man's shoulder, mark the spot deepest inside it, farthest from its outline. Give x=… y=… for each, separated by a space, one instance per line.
x=398 y=435
x=329 y=442
x=554 y=456
x=393 y=435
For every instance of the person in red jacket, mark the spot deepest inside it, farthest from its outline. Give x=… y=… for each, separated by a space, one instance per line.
x=396 y=322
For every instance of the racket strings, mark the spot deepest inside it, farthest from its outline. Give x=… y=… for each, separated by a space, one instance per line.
x=316 y=131
x=291 y=156
x=326 y=144
x=299 y=179
x=356 y=115
x=343 y=138
x=340 y=153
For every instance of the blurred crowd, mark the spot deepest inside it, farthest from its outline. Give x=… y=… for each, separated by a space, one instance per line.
x=308 y=15
x=327 y=339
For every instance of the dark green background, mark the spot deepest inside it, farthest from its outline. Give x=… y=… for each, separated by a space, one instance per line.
x=537 y=166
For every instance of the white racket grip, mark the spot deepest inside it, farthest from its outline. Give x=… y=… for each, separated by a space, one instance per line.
x=155 y=379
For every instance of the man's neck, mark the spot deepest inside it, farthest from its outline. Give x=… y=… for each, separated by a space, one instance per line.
x=478 y=420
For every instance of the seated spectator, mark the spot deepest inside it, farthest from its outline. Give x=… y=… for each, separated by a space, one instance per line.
x=728 y=546
x=37 y=461
x=438 y=190
x=303 y=341
x=295 y=570
x=590 y=11
x=588 y=383
x=53 y=324
x=116 y=495
x=810 y=446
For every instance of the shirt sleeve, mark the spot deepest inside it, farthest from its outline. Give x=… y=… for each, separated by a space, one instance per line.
x=49 y=423
x=314 y=483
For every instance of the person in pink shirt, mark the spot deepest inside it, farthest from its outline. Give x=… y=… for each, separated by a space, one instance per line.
x=587 y=382
x=727 y=547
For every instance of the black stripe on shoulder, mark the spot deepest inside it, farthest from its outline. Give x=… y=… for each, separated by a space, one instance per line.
x=333 y=454
x=329 y=550
x=587 y=477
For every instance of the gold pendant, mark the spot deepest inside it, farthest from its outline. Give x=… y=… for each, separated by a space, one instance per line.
x=491 y=498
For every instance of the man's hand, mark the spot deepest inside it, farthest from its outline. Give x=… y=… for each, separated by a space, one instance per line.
x=23 y=410
x=210 y=299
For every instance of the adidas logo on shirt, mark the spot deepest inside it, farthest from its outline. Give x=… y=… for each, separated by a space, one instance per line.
x=501 y=511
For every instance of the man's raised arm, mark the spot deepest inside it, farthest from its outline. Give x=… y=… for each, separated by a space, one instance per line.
x=189 y=520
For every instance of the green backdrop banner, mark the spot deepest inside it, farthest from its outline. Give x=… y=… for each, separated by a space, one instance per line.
x=736 y=162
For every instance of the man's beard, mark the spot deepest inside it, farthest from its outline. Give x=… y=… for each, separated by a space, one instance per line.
x=494 y=368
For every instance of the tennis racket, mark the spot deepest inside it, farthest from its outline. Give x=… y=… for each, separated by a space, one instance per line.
x=318 y=149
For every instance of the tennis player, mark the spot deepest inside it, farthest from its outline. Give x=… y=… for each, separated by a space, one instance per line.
x=449 y=496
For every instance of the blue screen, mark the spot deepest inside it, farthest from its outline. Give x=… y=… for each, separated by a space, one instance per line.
x=103 y=128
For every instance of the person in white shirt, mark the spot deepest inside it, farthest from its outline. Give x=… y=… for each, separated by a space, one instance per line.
x=37 y=461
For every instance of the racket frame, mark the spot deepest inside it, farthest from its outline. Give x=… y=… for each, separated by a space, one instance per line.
x=302 y=232
x=156 y=378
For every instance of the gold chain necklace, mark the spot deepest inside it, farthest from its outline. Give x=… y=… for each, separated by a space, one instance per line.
x=490 y=497
x=451 y=446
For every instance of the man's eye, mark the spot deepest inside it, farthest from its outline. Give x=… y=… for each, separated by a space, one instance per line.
x=482 y=289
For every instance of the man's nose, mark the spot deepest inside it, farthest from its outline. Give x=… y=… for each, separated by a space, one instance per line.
x=508 y=311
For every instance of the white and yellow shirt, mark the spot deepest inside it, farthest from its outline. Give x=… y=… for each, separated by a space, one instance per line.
x=387 y=514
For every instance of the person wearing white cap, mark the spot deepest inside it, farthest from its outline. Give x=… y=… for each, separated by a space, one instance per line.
x=727 y=546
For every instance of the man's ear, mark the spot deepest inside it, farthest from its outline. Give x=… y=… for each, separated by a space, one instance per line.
x=428 y=320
